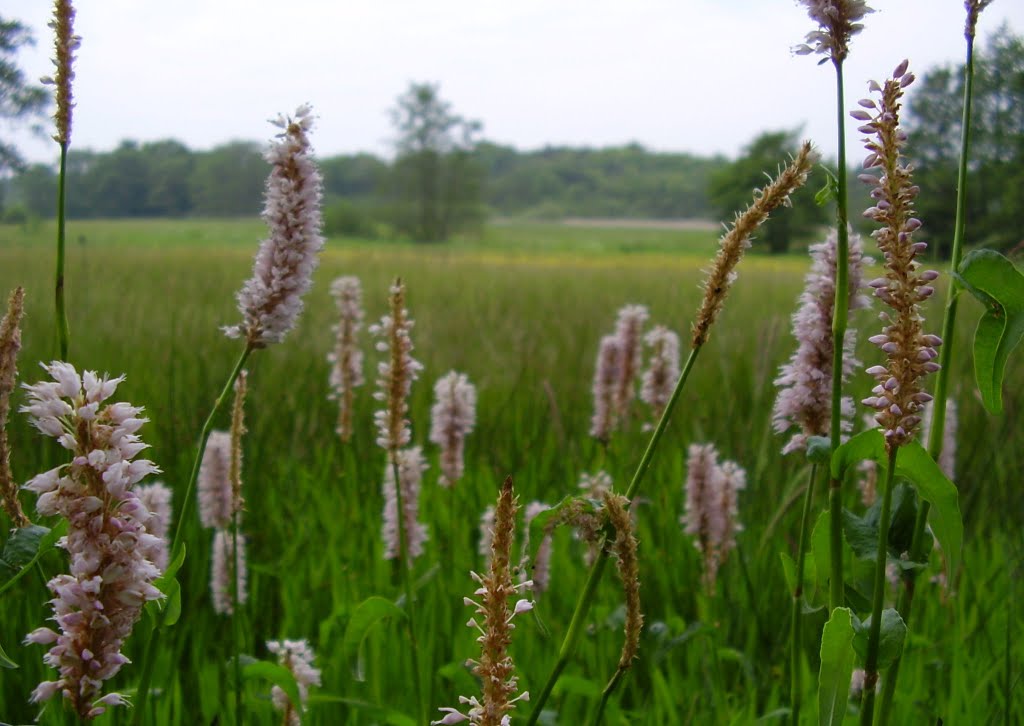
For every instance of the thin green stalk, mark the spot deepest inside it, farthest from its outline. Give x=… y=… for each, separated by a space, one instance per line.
x=867 y=710
x=149 y=656
x=597 y=569
x=840 y=313
x=796 y=672
x=405 y=565
x=235 y=615
x=941 y=394
x=607 y=693
x=63 y=331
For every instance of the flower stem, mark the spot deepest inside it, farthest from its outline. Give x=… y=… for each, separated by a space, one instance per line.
x=63 y=331
x=142 y=692
x=597 y=569
x=840 y=312
x=867 y=710
x=235 y=615
x=938 y=427
x=795 y=683
x=406 y=567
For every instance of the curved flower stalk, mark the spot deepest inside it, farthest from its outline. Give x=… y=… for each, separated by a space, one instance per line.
x=596 y=486
x=396 y=374
x=662 y=370
x=606 y=377
x=452 y=418
x=156 y=498
x=346 y=359
x=629 y=331
x=495 y=668
x=736 y=240
x=805 y=382
x=10 y=344
x=711 y=506
x=297 y=656
x=224 y=560
x=411 y=466
x=111 y=578
x=271 y=300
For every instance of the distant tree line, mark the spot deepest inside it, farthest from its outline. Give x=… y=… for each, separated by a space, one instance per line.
x=167 y=179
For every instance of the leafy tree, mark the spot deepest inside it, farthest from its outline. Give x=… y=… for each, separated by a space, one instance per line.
x=20 y=101
x=729 y=190
x=228 y=180
x=996 y=174
x=435 y=180
x=34 y=189
x=169 y=167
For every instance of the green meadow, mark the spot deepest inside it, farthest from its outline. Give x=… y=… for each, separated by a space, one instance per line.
x=520 y=309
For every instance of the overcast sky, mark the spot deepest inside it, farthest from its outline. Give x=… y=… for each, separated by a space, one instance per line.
x=702 y=76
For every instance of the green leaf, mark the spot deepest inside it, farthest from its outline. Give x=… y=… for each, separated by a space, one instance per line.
x=367 y=614
x=277 y=674
x=819 y=449
x=375 y=712
x=999 y=286
x=5 y=661
x=38 y=542
x=892 y=635
x=837 y=657
x=830 y=191
x=862 y=532
x=914 y=465
x=173 y=603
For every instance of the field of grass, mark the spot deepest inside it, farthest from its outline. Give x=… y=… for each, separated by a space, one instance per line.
x=521 y=311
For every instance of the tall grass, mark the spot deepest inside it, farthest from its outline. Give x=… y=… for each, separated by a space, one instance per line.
x=314 y=505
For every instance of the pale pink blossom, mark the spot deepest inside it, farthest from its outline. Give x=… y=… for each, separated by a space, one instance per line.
x=220 y=572
x=452 y=417
x=411 y=466
x=805 y=382
x=662 y=371
x=111 y=552
x=486 y=526
x=711 y=516
x=297 y=656
x=216 y=500
x=271 y=300
x=629 y=332
x=156 y=498
x=838 y=21
x=346 y=359
x=606 y=376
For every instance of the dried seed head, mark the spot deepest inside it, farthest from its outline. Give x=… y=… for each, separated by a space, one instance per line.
x=65 y=44
x=395 y=374
x=10 y=344
x=625 y=550
x=737 y=239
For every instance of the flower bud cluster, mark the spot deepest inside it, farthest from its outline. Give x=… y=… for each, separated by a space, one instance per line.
x=495 y=668
x=111 y=552
x=910 y=353
x=395 y=374
x=662 y=371
x=838 y=22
